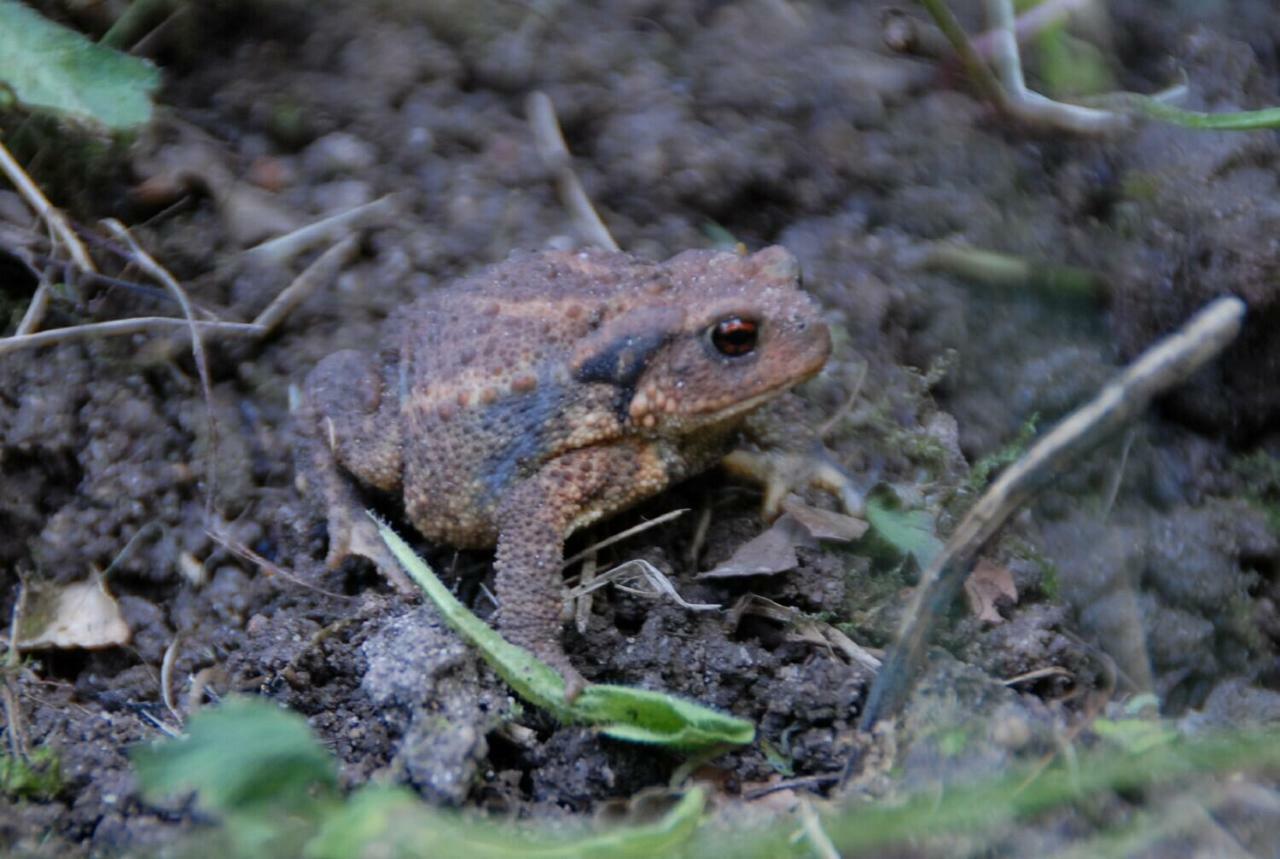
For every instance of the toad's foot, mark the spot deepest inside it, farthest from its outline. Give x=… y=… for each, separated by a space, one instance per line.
x=780 y=473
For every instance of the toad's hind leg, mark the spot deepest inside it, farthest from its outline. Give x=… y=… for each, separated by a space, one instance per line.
x=349 y=427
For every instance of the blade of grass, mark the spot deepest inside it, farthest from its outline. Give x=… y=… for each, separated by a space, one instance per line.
x=635 y=715
x=1152 y=108
x=391 y=822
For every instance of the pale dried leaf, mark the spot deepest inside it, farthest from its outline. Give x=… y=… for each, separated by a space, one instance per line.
x=772 y=552
x=825 y=524
x=81 y=615
x=988 y=585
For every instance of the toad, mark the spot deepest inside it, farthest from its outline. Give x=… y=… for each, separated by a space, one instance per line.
x=545 y=392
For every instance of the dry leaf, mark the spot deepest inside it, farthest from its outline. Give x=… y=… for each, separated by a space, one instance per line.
x=825 y=524
x=987 y=586
x=79 y=615
x=774 y=551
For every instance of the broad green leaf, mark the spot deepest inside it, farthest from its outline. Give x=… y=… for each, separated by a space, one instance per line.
x=49 y=67
x=908 y=531
x=380 y=821
x=247 y=755
x=618 y=711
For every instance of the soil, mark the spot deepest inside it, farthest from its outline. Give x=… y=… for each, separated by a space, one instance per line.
x=1150 y=567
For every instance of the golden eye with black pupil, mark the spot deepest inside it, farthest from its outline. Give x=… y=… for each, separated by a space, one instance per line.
x=735 y=336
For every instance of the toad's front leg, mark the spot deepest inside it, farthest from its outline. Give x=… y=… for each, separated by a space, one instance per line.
x=534 y=520
x=789 y=457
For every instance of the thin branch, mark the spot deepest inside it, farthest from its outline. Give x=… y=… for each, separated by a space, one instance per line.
x=1163 y=365
x=36 y=310
x=622 y=535
x=166 y=676
x=36 y=200
x=315 y=275
x=319 y=272
x=555 y=154
x=121 y=327
x=281 y=249
x=813 y=831
x=157 y=271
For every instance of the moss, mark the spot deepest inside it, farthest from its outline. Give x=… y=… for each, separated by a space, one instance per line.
x=984 y=469
x=37 y=776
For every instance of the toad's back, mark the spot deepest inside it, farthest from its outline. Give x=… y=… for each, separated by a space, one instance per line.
x=488 y=391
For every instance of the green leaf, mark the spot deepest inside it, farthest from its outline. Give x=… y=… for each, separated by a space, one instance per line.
x=380 y=821
x=636 y=715
x=246 y=756
x=47 y=66
x=908 y=531
x=1135 y=736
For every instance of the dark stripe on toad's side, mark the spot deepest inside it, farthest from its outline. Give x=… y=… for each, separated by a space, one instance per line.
x=621 y=363
x=526 y=420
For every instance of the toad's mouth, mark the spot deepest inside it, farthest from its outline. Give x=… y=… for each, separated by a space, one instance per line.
x=737 y=407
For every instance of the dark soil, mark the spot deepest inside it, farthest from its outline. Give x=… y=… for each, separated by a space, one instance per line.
x=1151 y=565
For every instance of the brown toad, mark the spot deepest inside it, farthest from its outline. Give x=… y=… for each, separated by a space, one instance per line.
x=546 y=392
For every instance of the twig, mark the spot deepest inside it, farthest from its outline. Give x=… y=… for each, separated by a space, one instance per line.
x=555 y=154
x=242 y=551
x=811 y=782
x=157 y=271
x=582 y=605
x=1038 y=674
x=36 y=309
x=1118 y=478
x=622 y=535
x=700 y=531
x=818 y=838
x=121 y=327
x=123 y=554
x=641 y=569
x=166 y=676
x=319 y=272
x=281 y=249
x=12 y=709
x=36 y=200
x=1163 y=365
x=267 y=321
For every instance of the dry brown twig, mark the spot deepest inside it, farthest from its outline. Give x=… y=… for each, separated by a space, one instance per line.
x=166 y=677
x=319 y=272
x=1165 y=364
x=555 y=154
x=36 y=200
x=148 y=264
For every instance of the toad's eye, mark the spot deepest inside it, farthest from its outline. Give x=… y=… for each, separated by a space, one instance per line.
x=735 y=336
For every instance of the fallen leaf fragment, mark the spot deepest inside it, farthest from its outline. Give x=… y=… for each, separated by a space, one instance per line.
x=988 y=585
x=825 y=524
x=772 y=552
x=81 y=615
